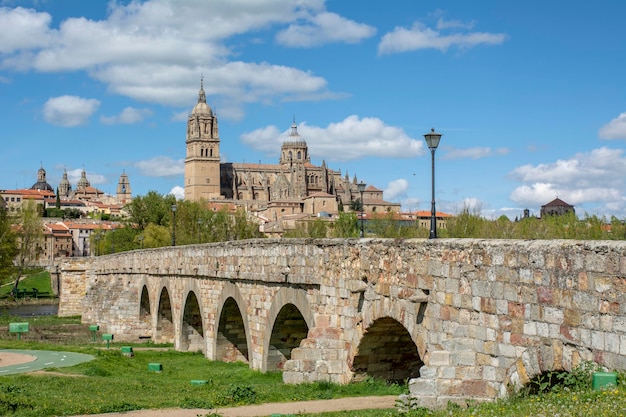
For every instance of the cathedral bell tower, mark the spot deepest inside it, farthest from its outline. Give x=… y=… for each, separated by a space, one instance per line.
x=202 y=163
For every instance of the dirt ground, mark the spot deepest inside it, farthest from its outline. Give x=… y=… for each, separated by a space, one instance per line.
x=318 y=406
x=8 y=358
x=263 y=410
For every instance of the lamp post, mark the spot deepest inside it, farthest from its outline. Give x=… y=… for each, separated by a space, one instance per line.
x=173 y=224
x=361 y=188
x=432 y=140
x=199 y=227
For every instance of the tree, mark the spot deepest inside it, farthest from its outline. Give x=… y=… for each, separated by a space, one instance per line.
x=156 y=236
x=8 y=246
x=318 y=229
x=356 y=205
x=30 y=240
x=151 y=208
x=347 y=225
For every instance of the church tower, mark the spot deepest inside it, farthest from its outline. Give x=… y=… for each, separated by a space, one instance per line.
x=124 y=192
x=65 y=188
x=202 y=163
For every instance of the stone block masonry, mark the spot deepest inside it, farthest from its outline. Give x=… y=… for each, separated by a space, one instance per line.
x=460 y=318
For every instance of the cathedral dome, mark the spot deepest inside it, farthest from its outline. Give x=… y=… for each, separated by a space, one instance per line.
x=294 y=137
x=202 y=109
x=41 y=184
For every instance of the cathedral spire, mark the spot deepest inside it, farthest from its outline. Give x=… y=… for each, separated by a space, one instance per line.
x=294 y=128
x=201 y=94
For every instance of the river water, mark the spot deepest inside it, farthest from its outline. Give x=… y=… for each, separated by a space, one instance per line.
x=29 y=310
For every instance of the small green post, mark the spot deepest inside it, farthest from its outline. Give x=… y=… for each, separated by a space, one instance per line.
x=94 y=328
x=18 y=328
x=108 y=337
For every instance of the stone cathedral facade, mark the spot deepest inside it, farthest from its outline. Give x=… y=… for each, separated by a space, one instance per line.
x=292 y=186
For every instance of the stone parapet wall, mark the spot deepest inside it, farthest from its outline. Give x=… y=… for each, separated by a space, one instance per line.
x=482 y=314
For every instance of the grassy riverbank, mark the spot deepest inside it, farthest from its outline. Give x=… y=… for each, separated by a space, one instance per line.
x=114 y=382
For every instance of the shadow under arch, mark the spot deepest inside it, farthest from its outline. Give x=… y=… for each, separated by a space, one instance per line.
x=390 y=345
x=231 y=337
x=145 y=313
x=165 y=323
x=387 y=351
x=192 y=325
x=290 y=318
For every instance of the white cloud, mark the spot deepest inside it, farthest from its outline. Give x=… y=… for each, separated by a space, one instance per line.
x=324 y=28
x=593 y=177
x=583 y=169
x=23 y=29
x=129 y=115
x=154 y=51
x=161 y=166
x=94 y=179
x=472 y=153
x=350 y=139
x=419 y=36
x=178 y=192
x=396 y=189
x=69 y=111
x=615 y=129
x=453 y=24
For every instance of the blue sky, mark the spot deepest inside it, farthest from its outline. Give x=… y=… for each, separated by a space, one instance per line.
x=530 y=96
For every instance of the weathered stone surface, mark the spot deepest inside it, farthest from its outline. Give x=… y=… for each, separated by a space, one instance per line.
x=479 y=314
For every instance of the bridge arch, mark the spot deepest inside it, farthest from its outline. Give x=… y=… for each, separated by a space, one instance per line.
x=537 y=360
x=145 y=313
x=288 y=322
x=191 y=335
x=231 y=340
x=389 y=340
x=165 y=323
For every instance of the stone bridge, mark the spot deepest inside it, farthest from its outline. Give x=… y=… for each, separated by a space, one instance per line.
x=459 y=318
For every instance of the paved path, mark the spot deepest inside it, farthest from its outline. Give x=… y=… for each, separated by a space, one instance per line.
x=263 y=410
x=35 y=360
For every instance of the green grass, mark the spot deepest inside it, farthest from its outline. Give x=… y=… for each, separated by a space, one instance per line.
x=603 y=403
x=39 y=280
x=113 y=382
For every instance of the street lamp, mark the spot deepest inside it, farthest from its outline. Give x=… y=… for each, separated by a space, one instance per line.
x=361 y=188
x=432 y=140
x=199 y=227
x=140 y=238
x=173 y=224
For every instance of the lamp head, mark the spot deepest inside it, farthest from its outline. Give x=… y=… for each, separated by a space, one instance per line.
x=432 y=139
x=361 y=186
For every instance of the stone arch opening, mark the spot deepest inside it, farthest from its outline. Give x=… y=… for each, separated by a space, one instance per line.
x=145 y=317
x=231 y=344
x=192 y=331
x=541 y=360
x=289 y=329
x=387 y=352
x=165 y=324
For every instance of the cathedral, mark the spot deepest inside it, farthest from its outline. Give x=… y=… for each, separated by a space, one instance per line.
x=292 y=186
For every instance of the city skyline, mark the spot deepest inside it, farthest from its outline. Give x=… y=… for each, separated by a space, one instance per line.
x=527 y=96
